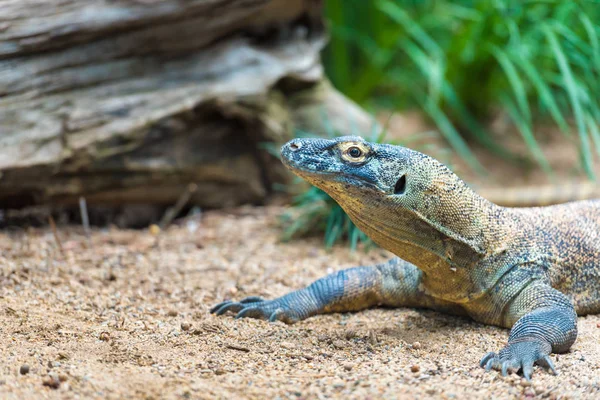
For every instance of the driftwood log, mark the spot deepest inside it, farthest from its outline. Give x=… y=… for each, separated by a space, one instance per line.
x=129 y=101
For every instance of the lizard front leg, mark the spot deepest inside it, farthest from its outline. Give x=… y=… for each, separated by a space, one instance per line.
x=394 y=283
x=546 y=322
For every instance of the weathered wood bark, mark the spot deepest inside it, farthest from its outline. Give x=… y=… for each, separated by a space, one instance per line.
x=128 y=101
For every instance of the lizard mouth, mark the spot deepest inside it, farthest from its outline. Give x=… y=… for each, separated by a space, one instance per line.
x=316 y=177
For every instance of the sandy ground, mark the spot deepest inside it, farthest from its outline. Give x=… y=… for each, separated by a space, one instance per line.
x=125 y=315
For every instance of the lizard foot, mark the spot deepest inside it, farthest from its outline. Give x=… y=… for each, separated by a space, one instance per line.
x=257 y=307
x=520 y=355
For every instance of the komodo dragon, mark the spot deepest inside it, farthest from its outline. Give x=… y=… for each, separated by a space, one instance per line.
x=529 y=269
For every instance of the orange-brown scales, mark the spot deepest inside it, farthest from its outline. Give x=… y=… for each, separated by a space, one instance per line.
x=529 y=269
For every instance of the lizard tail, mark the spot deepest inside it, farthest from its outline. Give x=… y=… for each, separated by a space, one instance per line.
x=541 y=195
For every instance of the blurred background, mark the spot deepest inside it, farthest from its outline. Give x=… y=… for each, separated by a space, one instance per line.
x=135 y=113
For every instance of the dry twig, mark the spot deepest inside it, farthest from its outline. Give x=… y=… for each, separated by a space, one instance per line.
x=172 y=212
x=55 y=233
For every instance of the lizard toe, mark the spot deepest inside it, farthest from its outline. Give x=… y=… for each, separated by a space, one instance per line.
x=251 y=312
x=257 y=307
x=215 y=308
x=527 y=368
x=519 y=356
x=486 y=359
x=229 y=306
x=547 y=363
x=510 y=366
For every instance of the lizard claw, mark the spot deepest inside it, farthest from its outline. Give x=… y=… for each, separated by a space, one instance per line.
x=251 y=312
x=547 y=363
x=225 y=306
x=521 y=355
x=229 y=305
x=486 y=361
x=257 y=307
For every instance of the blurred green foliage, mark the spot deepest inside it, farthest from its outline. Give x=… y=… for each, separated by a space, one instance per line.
x=459 y=61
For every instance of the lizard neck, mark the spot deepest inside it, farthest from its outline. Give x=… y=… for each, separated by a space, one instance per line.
x=447 y=241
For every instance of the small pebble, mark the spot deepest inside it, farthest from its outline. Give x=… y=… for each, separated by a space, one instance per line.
x=415 y=368
x=51 y=382
x=348 y=366
x=154 y=230
x=63 y=378
x=24 y=370
x=219 y=371
x=351 y=334
x=288 y=345
x=104 y=336
x=172 y=313
x=338 y=344
x=186 y=326
x=539 y=388
x=416 y=345
x=525 y=383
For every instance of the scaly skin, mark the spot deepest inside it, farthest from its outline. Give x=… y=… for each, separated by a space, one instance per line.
x=529 y=269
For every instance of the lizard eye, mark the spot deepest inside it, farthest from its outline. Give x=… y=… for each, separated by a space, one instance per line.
x=354 y=152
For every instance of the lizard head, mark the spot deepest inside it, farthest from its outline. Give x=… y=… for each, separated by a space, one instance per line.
x=350 y=165
x=405 y=200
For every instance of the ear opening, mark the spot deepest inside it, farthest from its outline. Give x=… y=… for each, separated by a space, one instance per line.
x=400 y=187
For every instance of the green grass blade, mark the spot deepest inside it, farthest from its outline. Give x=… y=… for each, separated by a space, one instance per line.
x=339 y=55
x=384 y=130
x=437 y=114
x=514 y=79
x=525 y=129
x=593 y=38
x=547 y=99
x=594 y=132
x=480 y=134
x=415 y=30
x=572 y=90
x=572 y=37
x=451 y=134
x=354 y=236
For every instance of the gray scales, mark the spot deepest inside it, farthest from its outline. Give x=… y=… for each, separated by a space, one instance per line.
x=532 y=270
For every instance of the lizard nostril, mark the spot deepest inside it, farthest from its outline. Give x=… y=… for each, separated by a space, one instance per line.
x=295 y=146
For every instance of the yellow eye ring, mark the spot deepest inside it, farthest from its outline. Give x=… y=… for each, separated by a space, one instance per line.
x=354 y=152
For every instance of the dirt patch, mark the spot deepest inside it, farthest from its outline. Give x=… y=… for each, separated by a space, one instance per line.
x=125 y=315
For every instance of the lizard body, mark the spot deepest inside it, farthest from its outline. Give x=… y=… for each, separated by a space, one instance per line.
x=529 y=269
